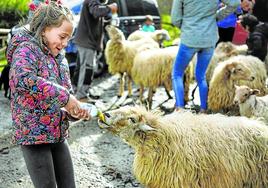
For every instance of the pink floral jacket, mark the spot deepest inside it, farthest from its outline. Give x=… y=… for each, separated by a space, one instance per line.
x=40 y=87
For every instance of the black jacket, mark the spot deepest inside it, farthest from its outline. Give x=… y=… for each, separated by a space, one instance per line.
x=257 y=41
x=89 y=33
x=260 y=10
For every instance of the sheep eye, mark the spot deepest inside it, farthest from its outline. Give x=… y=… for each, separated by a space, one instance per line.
x=246 y=95
x=239 y=70
x=133 y=120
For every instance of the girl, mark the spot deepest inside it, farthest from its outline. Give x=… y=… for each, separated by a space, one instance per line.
x=41 y=98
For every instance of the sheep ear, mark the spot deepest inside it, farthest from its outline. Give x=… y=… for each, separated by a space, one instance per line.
x=236 y=86
x=227 y=74
x=146 y=128
x=255 y=91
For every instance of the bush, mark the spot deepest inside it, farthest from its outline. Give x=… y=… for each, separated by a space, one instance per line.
x=12 y=11
x=173 y=31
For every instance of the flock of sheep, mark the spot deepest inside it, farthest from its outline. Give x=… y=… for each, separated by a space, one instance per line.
x=140 y=59
x=184 y=149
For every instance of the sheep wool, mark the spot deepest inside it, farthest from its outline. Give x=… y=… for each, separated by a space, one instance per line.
x=152 y=68
x=251 y=105
x=120 y=53
x=193 y=150
x=258 y=69
x=224 y=51
x=230 y=72
x=158 y=35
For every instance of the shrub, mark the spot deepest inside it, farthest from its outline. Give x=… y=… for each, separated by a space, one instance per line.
x=12 y=11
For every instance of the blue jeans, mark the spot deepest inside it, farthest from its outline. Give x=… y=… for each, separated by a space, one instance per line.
x=183 y=58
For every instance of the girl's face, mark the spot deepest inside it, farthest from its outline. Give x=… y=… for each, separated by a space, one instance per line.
x=56 y=38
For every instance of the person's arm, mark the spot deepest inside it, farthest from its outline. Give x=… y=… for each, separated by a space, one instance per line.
x=25 y=79
x=177 y=13
x=99 y=10
x=229 y=8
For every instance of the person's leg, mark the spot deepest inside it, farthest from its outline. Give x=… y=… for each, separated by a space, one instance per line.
x=86 y=72
x=182 y=60
x=226 y=34
x=203 y=59
x=39 y=163
x=63 y=165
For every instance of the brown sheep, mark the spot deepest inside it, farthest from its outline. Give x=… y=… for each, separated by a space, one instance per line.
x=193 y=151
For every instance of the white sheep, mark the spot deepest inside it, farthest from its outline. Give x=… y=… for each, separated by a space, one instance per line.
x=120 y=53
x=152 y=68
x=258 y=69
x=158 y=35
x=230 y=72
x=193 y=151
x=249 y=104
x=222 y=52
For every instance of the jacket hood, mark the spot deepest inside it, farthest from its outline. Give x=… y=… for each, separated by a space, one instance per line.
x=23 y=35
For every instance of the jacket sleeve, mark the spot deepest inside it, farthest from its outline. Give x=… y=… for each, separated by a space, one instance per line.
x=98 y=10
x=23 y=76
x=229 y=8
x=177 y=13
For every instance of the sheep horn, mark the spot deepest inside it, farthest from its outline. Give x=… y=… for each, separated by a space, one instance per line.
x=145 y=128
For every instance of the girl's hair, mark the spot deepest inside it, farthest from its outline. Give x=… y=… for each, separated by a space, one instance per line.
x=48 y=15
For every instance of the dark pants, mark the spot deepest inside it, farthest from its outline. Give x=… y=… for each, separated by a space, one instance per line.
x=49 y=165
x=226 y=34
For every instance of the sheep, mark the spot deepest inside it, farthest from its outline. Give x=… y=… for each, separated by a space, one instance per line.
x=249 y=104
x=120 y=53
x=152 y=68
x=227 y=74
x=192 y=150
x=258 y=69
x=224 y=51
x=158 y=35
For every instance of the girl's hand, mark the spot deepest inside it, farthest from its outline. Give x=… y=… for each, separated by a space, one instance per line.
x=74 y=109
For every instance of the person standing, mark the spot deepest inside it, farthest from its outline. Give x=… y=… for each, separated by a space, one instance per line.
x=227 y=25
x=89 y=39
x=197 y=21
x=41 y=96
x=260 y=9
x=257 y=40
x=148 y=25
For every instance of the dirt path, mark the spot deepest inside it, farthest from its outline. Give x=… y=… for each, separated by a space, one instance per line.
x=100 y=160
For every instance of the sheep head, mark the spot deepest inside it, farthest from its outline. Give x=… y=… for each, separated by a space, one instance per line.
x=132 y=124
x=161 y=35
x=225 y=47
x=114 y=33
x=242 y=93
x=237 y=71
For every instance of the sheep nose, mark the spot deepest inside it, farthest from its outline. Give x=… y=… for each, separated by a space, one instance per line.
x=107 y=115
x=235 y=102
